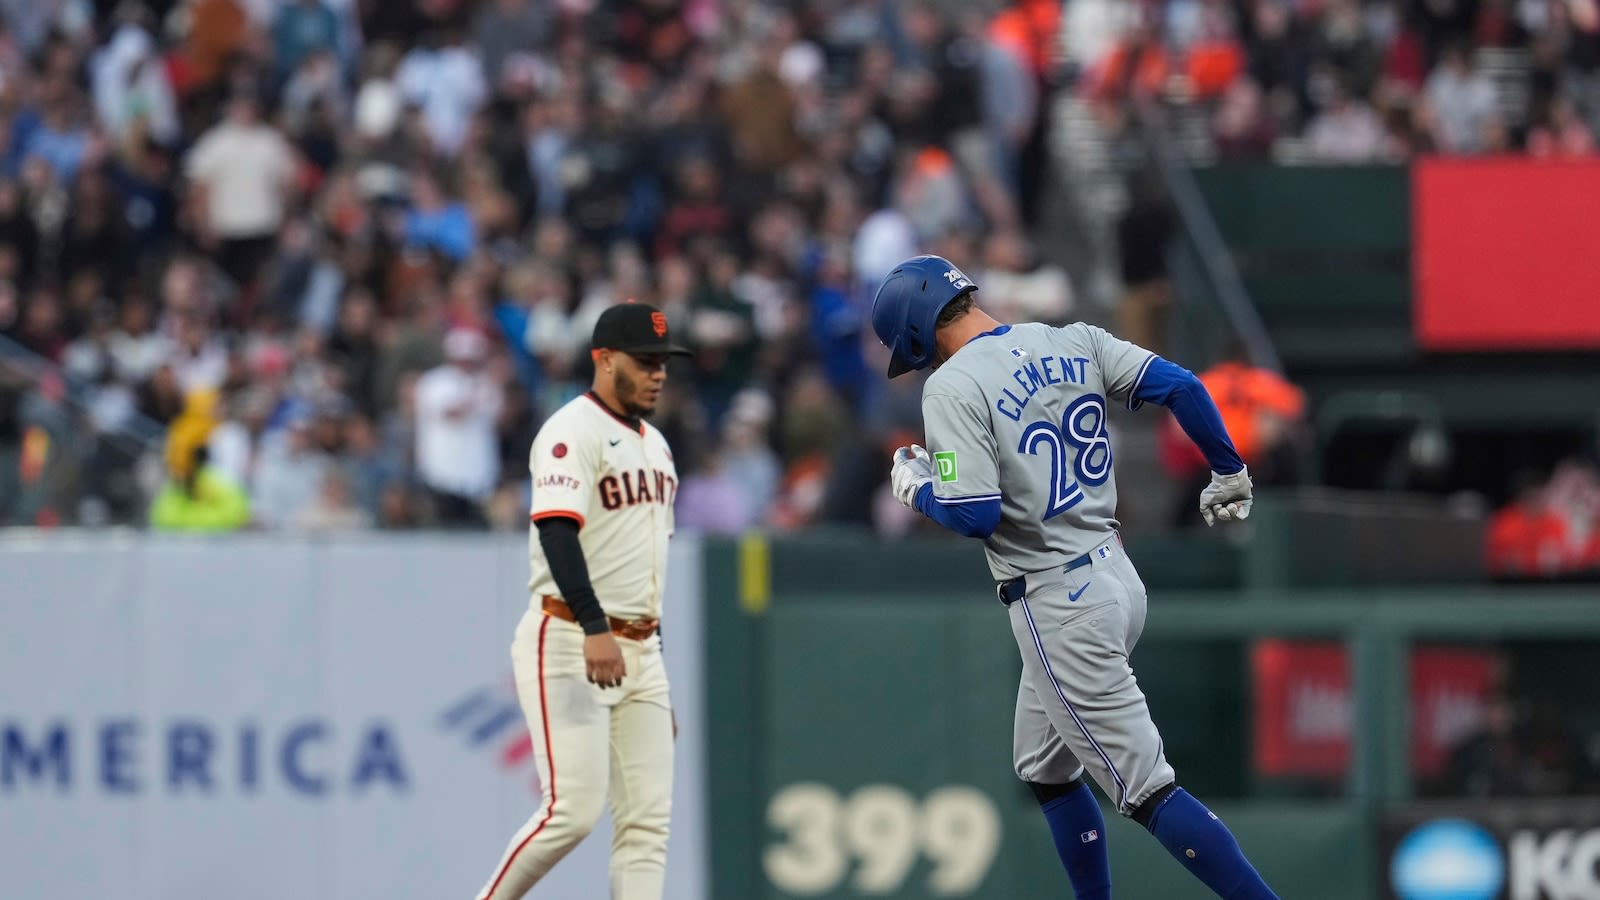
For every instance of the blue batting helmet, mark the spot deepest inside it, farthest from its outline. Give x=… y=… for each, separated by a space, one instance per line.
x=907 y=308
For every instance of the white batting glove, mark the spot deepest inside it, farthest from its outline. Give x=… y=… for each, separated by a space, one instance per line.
x=1226 y=498
x=913 y=468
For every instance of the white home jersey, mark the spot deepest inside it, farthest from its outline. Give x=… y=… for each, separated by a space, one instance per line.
x=617 y=479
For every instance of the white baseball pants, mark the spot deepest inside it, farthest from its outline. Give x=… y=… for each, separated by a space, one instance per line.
x=591 y=745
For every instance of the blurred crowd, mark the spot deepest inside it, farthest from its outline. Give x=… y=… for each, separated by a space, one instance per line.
x=345 y=255
x=1522 y=740
x=339 y=258
x=1352 y=81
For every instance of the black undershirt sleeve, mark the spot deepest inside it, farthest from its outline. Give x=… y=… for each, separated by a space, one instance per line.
x=558 y=536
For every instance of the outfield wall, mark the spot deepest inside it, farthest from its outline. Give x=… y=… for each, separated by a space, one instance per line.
x=264 y=719
x=881 y=683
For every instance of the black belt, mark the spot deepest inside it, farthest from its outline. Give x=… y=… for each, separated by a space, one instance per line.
x=1017 y=588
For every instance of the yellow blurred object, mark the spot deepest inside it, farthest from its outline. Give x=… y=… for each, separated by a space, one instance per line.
x=35 y=453
x=191 y=430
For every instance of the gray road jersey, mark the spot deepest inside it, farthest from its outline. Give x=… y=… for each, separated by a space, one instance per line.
x=1021 y=415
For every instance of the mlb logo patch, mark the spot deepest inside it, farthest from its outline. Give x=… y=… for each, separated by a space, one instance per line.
x=1105 y=552
x=1019 y=353
x=1090 y=836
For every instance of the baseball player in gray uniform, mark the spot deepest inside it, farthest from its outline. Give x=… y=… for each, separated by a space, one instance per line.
x=1016 y=421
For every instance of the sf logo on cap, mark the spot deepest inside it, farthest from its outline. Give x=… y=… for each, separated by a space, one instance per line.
x=658 y=321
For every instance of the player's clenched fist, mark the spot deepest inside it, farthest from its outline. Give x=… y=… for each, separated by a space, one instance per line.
x=603 y=659
x=1226 y=498
x=913 y=468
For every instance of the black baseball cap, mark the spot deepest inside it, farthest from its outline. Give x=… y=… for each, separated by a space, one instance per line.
x=634 y=328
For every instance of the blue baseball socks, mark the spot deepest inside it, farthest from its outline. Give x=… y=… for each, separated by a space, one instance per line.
x=1080 y=835
x=1198 y=839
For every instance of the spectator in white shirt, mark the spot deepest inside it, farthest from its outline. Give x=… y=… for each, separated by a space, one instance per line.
x=1025 y=287
x=288 y=475
x=458 y=408
x=242 y=172
x=131 y=87
x=447 y=82
x=884 y=238
x=1347 y=132
x=236 y=442
x=197 y=355
x=1464 y=103
x=137 y=349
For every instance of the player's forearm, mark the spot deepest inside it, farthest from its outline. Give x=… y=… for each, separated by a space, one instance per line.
x=970 y=519
x=558 y=537
x=1197 y=414
x=1179 y=390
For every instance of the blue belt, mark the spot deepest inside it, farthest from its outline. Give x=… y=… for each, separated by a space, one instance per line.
x=1017 y=588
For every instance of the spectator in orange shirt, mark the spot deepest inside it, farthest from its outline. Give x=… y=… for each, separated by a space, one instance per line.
x=1526 y=539
x=1261 y=410
x=1030 y=29
x=1139 y=67
x=1259 y=407
x=1215 y=60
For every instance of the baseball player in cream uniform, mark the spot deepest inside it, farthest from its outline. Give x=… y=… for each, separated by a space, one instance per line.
x=587 y=654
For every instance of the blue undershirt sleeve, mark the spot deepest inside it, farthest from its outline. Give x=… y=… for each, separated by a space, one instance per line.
x=1179 y=390
x=977 y=518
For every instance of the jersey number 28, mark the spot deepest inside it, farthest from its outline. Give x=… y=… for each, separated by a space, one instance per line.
x=1080 y=451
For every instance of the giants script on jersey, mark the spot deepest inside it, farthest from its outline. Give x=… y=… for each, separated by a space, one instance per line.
x=633 y=488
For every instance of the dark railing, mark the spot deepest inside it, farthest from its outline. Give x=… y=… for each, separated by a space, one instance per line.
x=81 y=460
x=137 y=432
x=1215 y=263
